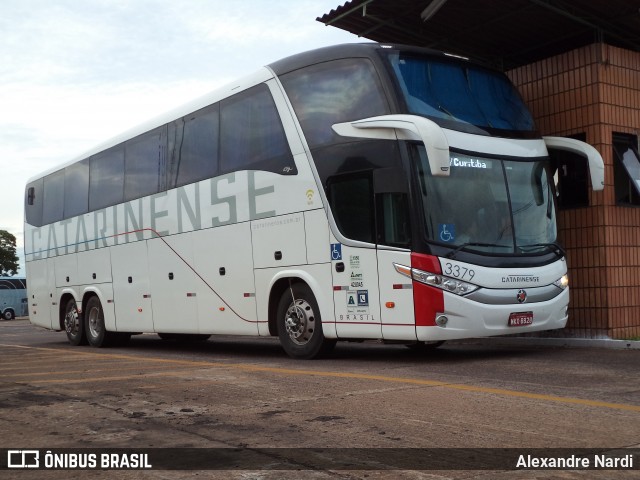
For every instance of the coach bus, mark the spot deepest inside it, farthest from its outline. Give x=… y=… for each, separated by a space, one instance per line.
x=13 y=297
x=353 y=192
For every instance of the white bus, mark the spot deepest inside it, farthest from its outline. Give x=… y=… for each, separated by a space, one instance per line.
x=352 y=192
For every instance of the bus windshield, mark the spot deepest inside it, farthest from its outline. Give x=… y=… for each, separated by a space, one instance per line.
x=488 y=205
x=460 y=96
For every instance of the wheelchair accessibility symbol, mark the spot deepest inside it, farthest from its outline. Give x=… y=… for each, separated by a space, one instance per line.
x=447 y=232
x=336 y=251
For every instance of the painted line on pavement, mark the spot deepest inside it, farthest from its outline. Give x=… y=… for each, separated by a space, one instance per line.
x=329 y=374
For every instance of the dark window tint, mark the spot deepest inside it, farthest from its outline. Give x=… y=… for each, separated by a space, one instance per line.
x=334 y=92
x=355 y=157
x=13 y=283
x=106 y=178
x=351 y=201
x=144 y=159
x=626 y=169
x=457 y=94
x=53 y=207
x=33 y=203
x=193 y=143
x=251 y=134
x=76 y=191
x=394 y=225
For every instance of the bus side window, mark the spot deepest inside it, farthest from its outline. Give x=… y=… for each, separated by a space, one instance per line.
x=144 y=162
x=392 y=207
x=106 y=178
x=334 y=92
x=351 y=200
x=76 y=193
x=193 y=147
x=251 y=134
x=33 y=203
x=53 y=198
x=394 y=224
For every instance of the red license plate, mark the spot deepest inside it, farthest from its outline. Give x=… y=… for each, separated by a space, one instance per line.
x=520 y=319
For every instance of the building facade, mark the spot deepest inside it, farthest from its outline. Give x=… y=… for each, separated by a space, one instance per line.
x=593 y=93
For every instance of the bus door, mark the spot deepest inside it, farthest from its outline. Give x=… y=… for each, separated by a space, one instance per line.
x=355 y=268
x=355 y=291
x=396 y=296
x=394 y=240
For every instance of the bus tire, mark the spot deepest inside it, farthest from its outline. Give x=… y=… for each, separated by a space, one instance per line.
x=299 y=324
x=73 y=324
x=8 y=314
x=96 y=332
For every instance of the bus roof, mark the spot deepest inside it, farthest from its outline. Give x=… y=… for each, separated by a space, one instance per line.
x=263 y=74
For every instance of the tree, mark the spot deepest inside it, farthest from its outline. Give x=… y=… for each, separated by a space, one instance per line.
x=8 y=257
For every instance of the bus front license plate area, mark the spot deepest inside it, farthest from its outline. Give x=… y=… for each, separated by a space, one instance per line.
x=520 y=319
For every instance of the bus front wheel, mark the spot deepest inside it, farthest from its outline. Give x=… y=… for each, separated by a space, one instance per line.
x=300 y=325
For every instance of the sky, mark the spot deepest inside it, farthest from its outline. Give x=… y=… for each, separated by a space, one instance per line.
x=74 y=73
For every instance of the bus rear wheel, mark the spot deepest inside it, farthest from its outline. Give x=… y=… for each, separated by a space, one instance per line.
x=96 y=332
x=8 y=315
x=73 y=324
x=300 y=325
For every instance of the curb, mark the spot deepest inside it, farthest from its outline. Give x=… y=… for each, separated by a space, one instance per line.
x=564 y=342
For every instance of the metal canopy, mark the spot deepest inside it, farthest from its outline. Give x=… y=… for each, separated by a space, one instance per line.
x=503 y=33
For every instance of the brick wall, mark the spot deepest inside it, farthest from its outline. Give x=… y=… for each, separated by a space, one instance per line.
x=594 y=90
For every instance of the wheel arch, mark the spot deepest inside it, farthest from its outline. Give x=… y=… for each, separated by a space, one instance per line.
x=280 y=283
x=62 y=305
x=277 y=289
x=87 y=296
x=107 y=305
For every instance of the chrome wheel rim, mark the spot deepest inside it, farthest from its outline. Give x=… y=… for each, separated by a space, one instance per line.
x=95 y=325
x=299 y=322
x=72 y=321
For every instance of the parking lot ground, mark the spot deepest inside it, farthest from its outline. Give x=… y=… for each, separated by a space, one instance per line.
x=365 y=398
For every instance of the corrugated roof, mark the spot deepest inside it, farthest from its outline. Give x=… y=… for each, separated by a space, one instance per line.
x=504 y=33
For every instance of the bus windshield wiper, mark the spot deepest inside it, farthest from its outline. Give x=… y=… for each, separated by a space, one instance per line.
x=556 y=248
x=453 y=253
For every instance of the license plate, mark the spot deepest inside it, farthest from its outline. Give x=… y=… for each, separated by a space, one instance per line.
x=520 y=319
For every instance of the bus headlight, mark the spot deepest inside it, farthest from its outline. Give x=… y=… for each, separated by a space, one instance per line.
x=448 y=284
x=562 y=282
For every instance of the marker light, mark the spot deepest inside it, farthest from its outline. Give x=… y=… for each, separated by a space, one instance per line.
x=442 y=282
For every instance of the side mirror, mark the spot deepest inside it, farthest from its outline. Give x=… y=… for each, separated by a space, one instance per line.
x=594 y=159
x=404 y=127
